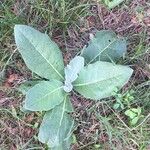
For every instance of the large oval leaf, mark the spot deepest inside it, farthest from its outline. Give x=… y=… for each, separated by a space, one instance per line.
x=56 y=127
x=98 y=80
x=105 y=46
x=40 y=54
x=44 y=96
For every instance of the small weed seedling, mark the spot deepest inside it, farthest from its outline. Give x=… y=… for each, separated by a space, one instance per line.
x=123 y=101
x=134 y=115
x=89 y=75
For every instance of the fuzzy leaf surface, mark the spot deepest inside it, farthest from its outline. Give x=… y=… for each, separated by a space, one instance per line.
x=112 y=3
x=105 y=46
x=24 y=87
x=73 y=68
x=39 y=52
x=44 y=96
x=98 y=80
x=71 y=72
x=56 y=127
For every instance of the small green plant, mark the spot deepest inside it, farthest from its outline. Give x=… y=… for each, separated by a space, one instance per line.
x=94 y=80
x=112 y=3
x=123 y=101
x=134 y=115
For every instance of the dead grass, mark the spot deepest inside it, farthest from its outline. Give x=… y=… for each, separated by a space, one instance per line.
x=99 y=125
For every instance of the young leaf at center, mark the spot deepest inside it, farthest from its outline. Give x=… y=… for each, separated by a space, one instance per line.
x=71 y=72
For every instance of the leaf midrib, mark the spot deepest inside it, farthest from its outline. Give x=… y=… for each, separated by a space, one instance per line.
x=95 y=82
x=43 y=57
x=40 y=100
x=105 y=48
x=61 y=118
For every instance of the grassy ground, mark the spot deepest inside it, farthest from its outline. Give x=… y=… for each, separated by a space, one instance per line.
x=100 y=126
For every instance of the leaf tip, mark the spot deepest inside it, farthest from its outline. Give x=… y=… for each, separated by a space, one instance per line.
x=130 y=71
x=17 y=27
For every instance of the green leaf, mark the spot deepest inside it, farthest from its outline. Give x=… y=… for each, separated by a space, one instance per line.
x=71 y=72
x=134 y=121
x=65 y=145
x=56 y=128
x=130 y=113
x=139 y=111
x=68 y=87
x=105 y=46
x=98 y=80
x=24 y=87
x=112 y=3
x=74 y=139
x=44 y=96
x=69 y=108
x=40 y=54
x=73 y=68
x=24 y=110
x=133 y=112
x=116 y=106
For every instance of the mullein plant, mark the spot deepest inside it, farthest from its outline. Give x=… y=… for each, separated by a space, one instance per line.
x=93 y=74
